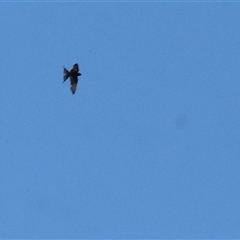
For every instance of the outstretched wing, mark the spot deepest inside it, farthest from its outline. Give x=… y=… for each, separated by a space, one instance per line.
x=73 y=80
x=73 y=88
x=75 y=68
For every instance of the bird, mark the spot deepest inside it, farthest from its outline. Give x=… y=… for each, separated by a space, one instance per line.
x=73 y=74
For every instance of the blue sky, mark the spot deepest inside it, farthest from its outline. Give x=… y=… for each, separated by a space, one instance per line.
x=148 y=147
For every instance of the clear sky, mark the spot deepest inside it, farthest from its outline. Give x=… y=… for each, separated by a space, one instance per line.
x=148 y=147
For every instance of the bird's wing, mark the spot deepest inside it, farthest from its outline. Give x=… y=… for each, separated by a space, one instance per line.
x=75 y=67
x=73 y=80
x=73 y=88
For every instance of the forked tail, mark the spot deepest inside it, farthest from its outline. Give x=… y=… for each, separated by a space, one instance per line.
x=66 y=74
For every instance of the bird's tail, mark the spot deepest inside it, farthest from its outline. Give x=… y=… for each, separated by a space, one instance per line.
x=66 y=74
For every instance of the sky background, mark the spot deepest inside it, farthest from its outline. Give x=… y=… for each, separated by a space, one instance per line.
x=148 y=147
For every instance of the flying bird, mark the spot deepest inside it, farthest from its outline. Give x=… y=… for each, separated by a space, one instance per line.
x=73 y=74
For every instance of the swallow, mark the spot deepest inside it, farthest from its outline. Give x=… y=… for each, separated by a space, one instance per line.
x=73 y=74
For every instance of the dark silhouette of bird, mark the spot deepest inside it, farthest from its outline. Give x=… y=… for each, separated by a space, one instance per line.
x=73 y=74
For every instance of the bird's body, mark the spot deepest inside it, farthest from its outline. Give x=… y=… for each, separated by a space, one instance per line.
x=73 y=74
